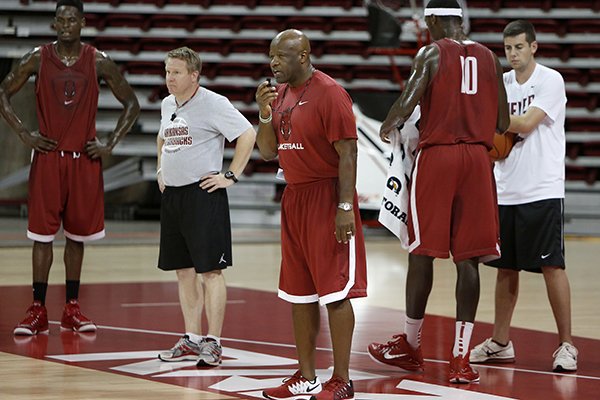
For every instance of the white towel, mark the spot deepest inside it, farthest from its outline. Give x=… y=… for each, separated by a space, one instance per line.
x=394 y=206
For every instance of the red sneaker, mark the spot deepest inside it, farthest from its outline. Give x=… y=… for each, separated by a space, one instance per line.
x=336 y=389
x=294 y=387
x=398 y=353
x=74 y=320
x=461 y=371
x=35 y=322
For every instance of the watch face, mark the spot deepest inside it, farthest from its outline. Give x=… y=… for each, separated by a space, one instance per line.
x=230 y=175
x=345 y=206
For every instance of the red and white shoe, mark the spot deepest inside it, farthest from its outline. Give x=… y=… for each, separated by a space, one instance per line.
x=296 y=387
x=398 y=353
x=73 y=320
x=461 y=371
x=35 y=322
x=336 y=389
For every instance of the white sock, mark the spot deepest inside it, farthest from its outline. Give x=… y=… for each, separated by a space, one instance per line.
x=462 y=338
x=217 y=339
x=194 y=337
x=412 y=328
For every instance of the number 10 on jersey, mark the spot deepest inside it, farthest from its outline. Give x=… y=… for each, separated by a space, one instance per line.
x=469 y=75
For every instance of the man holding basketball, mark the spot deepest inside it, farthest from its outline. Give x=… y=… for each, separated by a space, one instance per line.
x=531 y=191
x=452 y=206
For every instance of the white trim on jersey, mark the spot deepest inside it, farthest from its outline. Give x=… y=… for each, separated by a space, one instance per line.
x=413 y=206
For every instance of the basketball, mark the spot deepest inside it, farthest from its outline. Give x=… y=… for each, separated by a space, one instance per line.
x=503 y=144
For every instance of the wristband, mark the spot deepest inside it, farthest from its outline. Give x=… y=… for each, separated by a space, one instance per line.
x=265 y=120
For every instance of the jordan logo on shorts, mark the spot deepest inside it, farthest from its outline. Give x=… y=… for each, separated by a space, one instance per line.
x=222 y=260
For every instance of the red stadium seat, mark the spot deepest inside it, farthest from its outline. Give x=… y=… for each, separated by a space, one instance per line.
x=346 y=4
x=158 y=44
x=159 y=3
x=345 y=47
x=591 y=149
x=271 y=22
x=282 y=3
x=145 y=67
x=582 y=100
x=303 y=22
x=545 y=5
x=214 y=22
x=239 y=69
x=248 y=46
x=123 y=43
x=585 y=50
x=583 y=4
x=126 y=21
x=170 y=21
x=247 y=3
x=349 y=24
x=583 y=25
x=202 y=45
x=337 y=71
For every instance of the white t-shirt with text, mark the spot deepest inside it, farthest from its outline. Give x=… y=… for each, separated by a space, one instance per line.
x=195 y=139
x=535 y=168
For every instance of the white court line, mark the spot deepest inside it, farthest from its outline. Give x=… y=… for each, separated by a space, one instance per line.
x=529 y=371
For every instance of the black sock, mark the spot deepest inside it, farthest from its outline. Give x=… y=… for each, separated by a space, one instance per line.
x=72 y=290
x=39 y=291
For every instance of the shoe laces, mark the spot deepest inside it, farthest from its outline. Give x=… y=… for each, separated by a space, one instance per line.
x=394 y=342
x=290 y=380
x=568 y=348
x=296 y=383
x=336 y=385
x=210 y=347
x=181 y=343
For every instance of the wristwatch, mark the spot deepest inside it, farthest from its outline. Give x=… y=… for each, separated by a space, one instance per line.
x=345 y=206
x=231 y=175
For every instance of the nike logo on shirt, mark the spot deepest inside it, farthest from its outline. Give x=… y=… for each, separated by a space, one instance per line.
x=546 y=256
x=302 y=103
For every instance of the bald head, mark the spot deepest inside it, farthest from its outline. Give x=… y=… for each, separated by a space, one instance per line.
x=290 y=57
x=294 y=39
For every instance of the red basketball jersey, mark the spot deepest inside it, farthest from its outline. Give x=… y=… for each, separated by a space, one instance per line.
x=67 y=98
x=307 y=120
x=461 y=102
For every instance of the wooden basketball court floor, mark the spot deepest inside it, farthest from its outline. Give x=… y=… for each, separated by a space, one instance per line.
x=135 y=306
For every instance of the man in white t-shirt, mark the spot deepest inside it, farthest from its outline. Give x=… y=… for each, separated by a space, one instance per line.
x=531 y=191
x=195 y=231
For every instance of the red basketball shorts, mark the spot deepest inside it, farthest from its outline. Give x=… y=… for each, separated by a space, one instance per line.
x=314 y=266
x=453 y=206
x=67 y=188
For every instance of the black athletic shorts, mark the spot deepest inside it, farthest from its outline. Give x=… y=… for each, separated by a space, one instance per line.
x=531 y=236
x=195 y=229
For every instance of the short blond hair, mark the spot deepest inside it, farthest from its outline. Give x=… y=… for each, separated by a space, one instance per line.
x=191 y=58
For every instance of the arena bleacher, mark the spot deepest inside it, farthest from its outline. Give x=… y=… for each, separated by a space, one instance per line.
x=233 y=38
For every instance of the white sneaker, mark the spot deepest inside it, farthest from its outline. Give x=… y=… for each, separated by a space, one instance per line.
x=565 y=358
x=490 y=351
x=184 y=350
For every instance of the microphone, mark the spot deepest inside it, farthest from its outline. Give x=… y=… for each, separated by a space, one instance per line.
x=173 y=116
